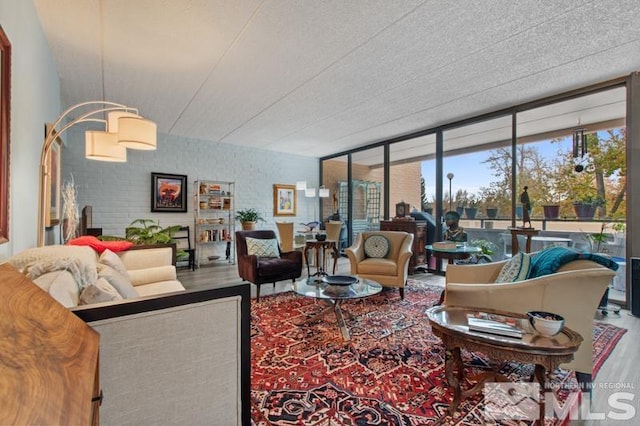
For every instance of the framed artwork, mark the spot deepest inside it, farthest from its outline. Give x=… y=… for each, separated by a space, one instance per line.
x=53 y=207
x=168 y=193
x=5 y=119
x=284 y=200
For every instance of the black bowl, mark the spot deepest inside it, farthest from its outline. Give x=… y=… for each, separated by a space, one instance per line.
x=321 y=237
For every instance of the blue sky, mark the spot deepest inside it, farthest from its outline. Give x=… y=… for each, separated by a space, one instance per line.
x=469 y=172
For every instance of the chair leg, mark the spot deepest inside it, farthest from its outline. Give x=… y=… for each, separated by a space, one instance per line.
x=401 y=293
x=257 y=292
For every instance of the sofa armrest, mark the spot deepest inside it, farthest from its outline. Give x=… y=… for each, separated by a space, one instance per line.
x=355 y=253
x=216 y=346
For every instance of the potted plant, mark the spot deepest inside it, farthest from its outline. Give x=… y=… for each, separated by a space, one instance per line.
x=619 y=229
x=471 y=209
x=249 y=218
x=585 y=207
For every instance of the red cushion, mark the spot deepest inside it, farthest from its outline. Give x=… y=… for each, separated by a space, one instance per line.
x=100 y=246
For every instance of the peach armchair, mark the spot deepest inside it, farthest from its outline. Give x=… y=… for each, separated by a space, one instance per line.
x=391 y=270
x=574 y=292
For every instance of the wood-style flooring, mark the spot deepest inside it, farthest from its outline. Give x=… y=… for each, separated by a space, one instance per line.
x=621 y=372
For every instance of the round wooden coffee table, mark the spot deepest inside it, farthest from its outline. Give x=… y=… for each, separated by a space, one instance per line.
x=546 y=353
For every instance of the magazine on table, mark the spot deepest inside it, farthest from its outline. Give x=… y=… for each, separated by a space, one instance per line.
x=501 y=325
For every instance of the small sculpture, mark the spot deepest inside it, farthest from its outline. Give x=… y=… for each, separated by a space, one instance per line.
x=309 y=227
x=526 y=208
x=454 y=232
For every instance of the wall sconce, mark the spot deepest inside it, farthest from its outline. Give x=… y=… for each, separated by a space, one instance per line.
x=124 y=129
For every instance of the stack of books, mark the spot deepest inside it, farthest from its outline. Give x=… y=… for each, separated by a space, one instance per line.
x=494 y=324
x=444 y=245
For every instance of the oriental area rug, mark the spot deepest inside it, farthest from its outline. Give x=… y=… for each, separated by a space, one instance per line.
x=391 y=372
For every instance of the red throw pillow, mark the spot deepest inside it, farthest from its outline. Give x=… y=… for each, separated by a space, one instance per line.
x=100 y=246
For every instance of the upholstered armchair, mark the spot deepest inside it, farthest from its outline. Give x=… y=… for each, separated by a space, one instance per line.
x=268 y=267
x=574 y=292
x=389 y=267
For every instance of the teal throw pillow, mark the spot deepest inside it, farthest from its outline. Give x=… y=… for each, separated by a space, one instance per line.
x=516 y=269
x=262 y=247
x=376 y=246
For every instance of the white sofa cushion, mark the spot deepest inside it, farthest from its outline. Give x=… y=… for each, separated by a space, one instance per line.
x=61 y=286
x=118 y=281
x=100 y=291
x=159 y=288
x=112 y=260
x=152 y=275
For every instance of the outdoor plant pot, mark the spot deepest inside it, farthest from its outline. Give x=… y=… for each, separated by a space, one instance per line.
x=460 y=210
x=551 y=211
x=584 y=210
x=470 y=212
x=492 y=212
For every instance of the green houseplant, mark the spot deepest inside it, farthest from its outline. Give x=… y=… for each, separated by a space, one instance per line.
x=145 y=232
x=249 y=218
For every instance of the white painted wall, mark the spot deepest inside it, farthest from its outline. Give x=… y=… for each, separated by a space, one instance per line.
x=35 y=99
x=121 y=192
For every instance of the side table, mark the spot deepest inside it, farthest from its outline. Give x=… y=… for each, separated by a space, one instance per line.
x=321 y=248
x=527 y=232
x=546 y=353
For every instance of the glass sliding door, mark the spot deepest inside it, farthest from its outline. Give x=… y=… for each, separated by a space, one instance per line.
x=572 y=158
x=477 y=181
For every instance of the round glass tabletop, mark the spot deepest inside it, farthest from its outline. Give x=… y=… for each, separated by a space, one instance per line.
x=322 y=290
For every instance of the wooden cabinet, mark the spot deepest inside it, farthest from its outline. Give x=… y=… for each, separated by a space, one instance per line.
x=419 y=230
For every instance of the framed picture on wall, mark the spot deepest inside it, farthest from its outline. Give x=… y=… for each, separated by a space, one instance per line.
x=284 y=200
x=168 y=193
x=52 y=188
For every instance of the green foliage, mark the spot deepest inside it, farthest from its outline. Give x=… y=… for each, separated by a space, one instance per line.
x=249 y=215
x=487 y=247
x=149 y=231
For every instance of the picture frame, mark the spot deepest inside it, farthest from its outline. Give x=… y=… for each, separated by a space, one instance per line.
x=5 y=134
x=168 y=193
x=52 y=187
x=284 y=200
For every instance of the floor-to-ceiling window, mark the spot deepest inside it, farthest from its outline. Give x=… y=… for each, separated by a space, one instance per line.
x=367 y=186
x=481 y=171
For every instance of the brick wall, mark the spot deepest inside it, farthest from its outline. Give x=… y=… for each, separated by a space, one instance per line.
x=121 y=192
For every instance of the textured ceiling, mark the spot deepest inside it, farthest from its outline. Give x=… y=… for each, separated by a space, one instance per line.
x=319 y=77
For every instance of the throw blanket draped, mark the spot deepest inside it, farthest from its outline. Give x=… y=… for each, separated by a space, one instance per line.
x=549 y=261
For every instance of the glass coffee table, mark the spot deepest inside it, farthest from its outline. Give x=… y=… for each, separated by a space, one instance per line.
x=334 y=295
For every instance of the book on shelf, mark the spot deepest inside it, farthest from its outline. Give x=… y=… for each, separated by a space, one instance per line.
x=494 y=324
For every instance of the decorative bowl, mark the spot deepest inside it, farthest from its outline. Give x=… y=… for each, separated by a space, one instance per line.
x=212 y=221
x=321 y=237
x=546 y=323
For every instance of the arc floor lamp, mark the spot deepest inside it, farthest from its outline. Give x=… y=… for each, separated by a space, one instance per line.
x=123 y=128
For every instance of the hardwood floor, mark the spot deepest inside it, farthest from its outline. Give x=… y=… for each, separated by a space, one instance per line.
x=620 y=373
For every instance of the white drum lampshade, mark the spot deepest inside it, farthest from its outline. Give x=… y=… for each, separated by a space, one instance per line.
x=133 y=131
x=103 y=146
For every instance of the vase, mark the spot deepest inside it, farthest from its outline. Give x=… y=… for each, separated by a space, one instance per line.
x=248 y=226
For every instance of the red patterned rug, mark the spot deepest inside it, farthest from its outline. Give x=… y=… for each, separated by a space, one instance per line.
x=390 y=373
